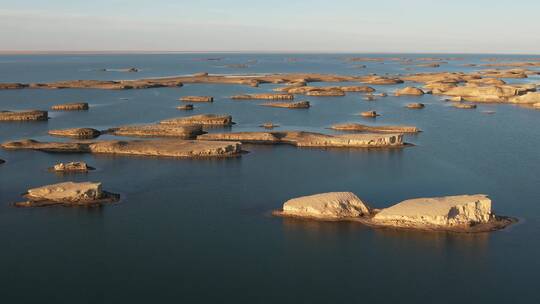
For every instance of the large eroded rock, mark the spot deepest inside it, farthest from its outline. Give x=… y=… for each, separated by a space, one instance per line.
x=168 y=148
x=311 y=139
x=447 y=211
x=332 y=205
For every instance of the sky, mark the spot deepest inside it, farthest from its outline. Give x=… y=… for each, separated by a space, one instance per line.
x=391 y=26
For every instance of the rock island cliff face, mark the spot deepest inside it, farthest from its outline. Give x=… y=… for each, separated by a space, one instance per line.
x=333 y=205
x=460 y=213
x=436 y=212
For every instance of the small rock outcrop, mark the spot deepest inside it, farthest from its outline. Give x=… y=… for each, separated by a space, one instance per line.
x=68 y=194
x=30 y=115
x=71 y=167
x=76 y=106
x=202 y=119
x=416 y=105
x=369 y=97
x=288 y=105
x=358 y=89
x=379 y=129
x=187 y=107
x=2 y=161
x=76 y=133
x=332 y=205
x=197 y=99
x=411 y=91
x=270 y=96
x=380 y=80
x=158 y=130
x=461 y=105
x=369 y=114
x=269 y=125
x=326 y=93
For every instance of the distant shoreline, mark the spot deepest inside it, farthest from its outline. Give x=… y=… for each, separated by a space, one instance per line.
x=142 y=52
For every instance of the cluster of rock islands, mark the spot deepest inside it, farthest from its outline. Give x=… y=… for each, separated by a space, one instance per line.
x=188 y=136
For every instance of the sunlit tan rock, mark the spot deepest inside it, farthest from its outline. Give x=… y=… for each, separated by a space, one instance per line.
x=461 y=105
x=412 y=91
x=159 y=148
x=68 y=194
x=76 y=133
x=71 y=167
x=288 y=105
x=311 y=139
x=202 y=119
x=448 y=211
x=268 y=125
x=360 y=89
x=76 y=106
x=187 y=107
x=272 y=96
x=379 y=129
x=380 y=80
x=332 y=205
x=158 y=130
x=369 y=114
x=197 y=99
x=326 y=93
x=531 y=97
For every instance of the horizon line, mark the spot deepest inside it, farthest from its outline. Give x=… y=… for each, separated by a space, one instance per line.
x=119 y=52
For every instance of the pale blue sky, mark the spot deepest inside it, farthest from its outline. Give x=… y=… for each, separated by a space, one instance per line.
x=478 y=26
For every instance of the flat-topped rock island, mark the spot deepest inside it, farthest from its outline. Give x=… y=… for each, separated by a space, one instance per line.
x=460 y=213
x=158 y=148
x=311 y=139
x=68 y=194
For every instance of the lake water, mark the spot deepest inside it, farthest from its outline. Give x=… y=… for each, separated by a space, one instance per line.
x=200 y=231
